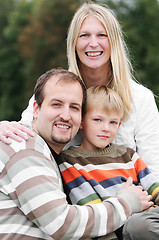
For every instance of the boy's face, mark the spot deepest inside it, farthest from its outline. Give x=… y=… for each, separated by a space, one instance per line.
x=99 y=129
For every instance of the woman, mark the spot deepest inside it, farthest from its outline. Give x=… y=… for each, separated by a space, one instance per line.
x=97 y=53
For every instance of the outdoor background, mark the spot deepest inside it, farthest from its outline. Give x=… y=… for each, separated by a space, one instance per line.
x=33 y=40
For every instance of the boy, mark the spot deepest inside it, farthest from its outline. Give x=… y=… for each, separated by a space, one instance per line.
x=97 y=169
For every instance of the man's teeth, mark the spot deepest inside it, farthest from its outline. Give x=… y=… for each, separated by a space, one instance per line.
x=93 y=54
x=62 y=126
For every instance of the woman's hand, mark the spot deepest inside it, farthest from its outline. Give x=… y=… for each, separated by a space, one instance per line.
x=15 y=131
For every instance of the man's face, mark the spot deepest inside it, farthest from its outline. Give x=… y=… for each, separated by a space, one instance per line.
x=59 y=117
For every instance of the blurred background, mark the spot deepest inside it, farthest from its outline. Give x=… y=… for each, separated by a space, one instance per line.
x=33 y=40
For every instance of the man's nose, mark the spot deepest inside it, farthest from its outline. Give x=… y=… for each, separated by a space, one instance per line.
x=65 y=114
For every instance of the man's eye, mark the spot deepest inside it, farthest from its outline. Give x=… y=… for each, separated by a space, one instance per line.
x=55 y=104
x=75 y=108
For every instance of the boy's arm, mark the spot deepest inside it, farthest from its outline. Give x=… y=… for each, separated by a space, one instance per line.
x=155 y=198
x=154 y=191
x=146 y=178
x=42 y=196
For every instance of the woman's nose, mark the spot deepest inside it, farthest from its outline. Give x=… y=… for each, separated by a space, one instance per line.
x=93 y=41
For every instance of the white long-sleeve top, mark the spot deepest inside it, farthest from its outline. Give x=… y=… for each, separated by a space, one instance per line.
x=139 y=132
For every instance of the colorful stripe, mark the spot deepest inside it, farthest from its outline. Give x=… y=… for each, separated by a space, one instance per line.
x=33 y=205
x=90 y=179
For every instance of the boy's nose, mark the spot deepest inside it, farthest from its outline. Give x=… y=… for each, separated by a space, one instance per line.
x=106 y=127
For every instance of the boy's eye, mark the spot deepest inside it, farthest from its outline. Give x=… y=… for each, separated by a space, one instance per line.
x=113 y=122
x=97 y=120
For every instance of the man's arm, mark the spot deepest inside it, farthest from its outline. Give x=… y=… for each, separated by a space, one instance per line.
x=37 y=186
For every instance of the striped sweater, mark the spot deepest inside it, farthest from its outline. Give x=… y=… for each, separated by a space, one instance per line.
x=92 y=176
x=33 y=205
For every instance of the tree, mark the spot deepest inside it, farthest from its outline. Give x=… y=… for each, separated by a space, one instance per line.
x=33 y=40
x=42 y=42
x=11 y=77
x=140 y=21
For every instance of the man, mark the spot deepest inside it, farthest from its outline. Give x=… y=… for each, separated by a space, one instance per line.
x=32 y=202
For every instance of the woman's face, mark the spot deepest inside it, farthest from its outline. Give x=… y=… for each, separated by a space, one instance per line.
x=92 y=44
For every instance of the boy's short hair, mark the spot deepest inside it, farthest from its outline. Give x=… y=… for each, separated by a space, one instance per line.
x=106 y=99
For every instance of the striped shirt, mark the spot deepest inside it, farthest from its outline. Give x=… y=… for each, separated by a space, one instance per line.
x=33 y=205
x=92 y=176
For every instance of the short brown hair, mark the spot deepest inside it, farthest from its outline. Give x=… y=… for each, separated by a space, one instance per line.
x=64 y=75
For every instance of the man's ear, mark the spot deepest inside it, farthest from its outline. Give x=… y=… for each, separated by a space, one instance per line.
x=35 y=109
x=81 y=125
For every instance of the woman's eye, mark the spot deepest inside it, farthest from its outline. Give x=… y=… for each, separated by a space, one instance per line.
x=83 y=35
x=103 y=35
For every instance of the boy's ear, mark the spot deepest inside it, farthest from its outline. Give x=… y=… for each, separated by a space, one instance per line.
x=119 y=123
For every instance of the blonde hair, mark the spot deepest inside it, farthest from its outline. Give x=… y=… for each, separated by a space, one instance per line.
x=120 y=69
x=105 y=99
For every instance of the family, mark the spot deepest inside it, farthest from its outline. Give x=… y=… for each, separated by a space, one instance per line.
x=82 y=163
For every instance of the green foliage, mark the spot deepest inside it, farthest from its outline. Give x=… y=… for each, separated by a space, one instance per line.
x=145 y=37
x=42 y=42
x=13 y=14
x=33 y=39
x=140 y=22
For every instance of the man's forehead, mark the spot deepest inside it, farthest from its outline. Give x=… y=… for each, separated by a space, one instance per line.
x=60 y=89
x=62 y=80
